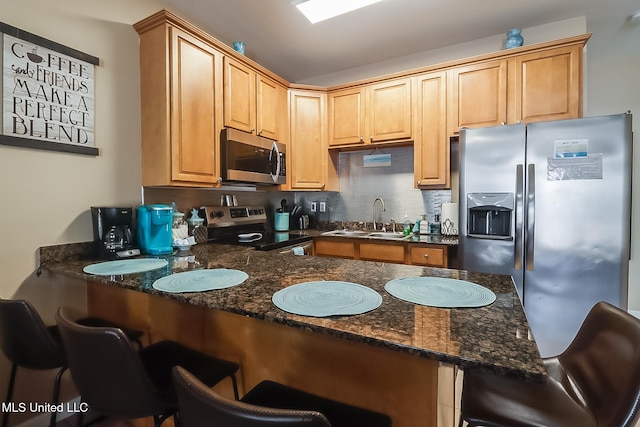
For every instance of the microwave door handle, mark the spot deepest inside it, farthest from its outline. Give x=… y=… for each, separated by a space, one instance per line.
x=274 y=161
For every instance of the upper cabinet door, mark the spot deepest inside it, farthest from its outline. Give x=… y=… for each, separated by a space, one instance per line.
x=346 y=117
x=431 y=147
x=268 y=98
x=251 y=100
x=478 y=95
x=548 y=85
x=390 y=110
x=239 y=96
x=307 y=156
x=196 y=94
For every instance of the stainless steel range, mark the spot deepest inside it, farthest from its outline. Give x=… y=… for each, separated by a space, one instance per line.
x=247 y=226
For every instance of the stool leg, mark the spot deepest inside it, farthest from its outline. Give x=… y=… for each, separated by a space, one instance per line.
x=56 y=395
x=235 y=387
x=12 y=380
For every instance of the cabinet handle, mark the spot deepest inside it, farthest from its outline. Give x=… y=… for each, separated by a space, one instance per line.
x=219 y=179
x=371 y=138
x=260 y=133
x=252 y=129
x=426 y=256
x=323 y=185
x=361 y=139
x=418 y=182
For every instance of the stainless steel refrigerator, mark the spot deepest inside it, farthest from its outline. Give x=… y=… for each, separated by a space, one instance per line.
x=550 y=204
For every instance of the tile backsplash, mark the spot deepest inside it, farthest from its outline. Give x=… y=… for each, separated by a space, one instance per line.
x=359 y=187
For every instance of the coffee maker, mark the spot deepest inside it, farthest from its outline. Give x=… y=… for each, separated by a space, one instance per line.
x=154 y=228
x=112 y=234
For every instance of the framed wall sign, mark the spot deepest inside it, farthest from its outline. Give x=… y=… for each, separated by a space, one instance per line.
x=48 y=99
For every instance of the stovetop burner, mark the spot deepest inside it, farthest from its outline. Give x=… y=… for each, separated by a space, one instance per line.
x=264 y=240
x=246 y=226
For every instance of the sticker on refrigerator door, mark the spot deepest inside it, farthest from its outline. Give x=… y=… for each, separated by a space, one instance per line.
x=574 y=168
x=563 y=148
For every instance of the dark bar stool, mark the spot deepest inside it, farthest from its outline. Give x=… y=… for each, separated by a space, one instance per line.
x=28 y=343
x=116 y=380
x=595 y=382
x=267 y=404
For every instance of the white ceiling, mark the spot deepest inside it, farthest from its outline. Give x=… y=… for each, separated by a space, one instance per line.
x=280 y=38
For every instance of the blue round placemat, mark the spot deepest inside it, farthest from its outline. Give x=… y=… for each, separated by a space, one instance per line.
x=125 y=266
x=327 y=298
x=201 y=280
x=440 y=292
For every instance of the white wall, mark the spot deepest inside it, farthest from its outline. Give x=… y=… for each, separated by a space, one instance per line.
x=542 y=33
x=46 y=195
x=612 y=85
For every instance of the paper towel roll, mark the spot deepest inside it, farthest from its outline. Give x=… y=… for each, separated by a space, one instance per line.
x=449 y=222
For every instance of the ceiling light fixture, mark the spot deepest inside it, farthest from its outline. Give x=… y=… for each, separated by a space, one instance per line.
x=319 y=10
x=634 y=18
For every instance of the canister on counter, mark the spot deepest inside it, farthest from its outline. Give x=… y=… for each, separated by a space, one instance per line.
x=197 y=228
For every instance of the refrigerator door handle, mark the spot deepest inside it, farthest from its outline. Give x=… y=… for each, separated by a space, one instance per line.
x=517 y=264
x=531 y=214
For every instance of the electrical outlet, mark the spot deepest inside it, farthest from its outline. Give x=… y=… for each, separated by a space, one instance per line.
x=323 y=206
x=314 y=206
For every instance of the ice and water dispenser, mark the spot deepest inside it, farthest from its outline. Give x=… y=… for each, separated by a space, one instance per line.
x=489 y=215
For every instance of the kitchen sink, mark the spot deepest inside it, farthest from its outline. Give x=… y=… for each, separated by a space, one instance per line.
x=384 y=235
x=346 y=233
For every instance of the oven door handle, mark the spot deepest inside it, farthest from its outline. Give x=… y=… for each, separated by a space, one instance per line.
x=274 y=162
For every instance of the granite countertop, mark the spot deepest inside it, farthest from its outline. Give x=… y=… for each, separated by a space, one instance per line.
x=494 y=337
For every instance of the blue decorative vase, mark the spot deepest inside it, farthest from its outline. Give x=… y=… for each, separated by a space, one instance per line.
x=239 y=47
x=514 y=38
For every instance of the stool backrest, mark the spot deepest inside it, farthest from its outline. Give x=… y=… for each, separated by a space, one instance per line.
x=107 y=370
x=200 y=406
x=25 y=339
x=604 y=362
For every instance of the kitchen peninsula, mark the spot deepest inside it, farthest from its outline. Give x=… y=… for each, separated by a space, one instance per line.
x=386 y=359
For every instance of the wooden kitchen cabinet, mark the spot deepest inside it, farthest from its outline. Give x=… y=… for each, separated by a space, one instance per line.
x=477 y=95
x=393 y=251
x=431 y=146
x=430 y=256
x=252 y=101
x=390 y=113
x=548 y=85
x=310 y=166
x=334 y=248
x=384 y=252
x=347 y=117
x=181 y=101
x=375 y=113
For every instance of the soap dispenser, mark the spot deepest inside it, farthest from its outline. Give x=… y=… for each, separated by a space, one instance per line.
x=406 y=225
x=424 y=225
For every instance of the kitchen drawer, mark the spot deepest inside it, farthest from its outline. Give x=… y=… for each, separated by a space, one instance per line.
x=334 y=248
x=428 y=255
x=380 y=252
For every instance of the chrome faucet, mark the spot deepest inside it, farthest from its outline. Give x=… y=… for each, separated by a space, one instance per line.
x=378 y=199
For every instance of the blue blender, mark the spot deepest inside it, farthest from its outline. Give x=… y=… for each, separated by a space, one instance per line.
x=154 y=228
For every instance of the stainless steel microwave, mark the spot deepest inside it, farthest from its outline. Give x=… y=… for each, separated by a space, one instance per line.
x=248 y=158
